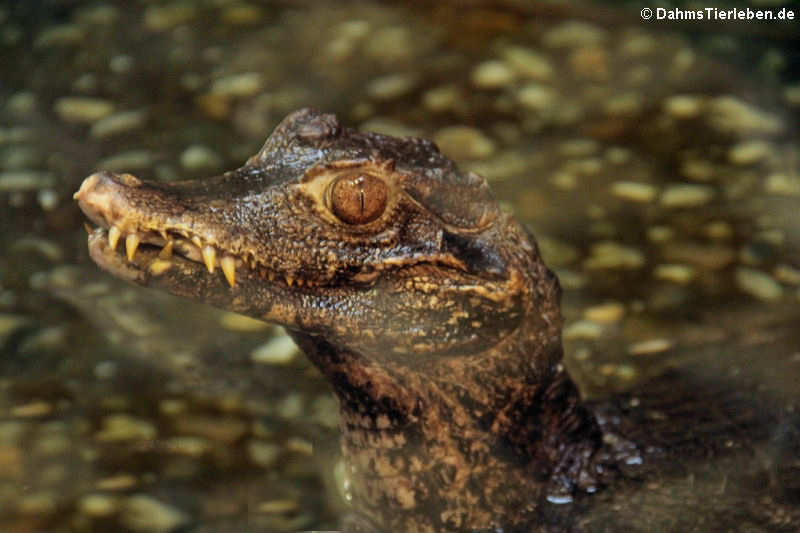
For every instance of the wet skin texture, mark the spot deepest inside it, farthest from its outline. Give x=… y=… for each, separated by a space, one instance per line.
x=429 y=311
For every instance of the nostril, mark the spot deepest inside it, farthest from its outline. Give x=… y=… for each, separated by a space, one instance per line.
x=89 y=184
x=129 y=180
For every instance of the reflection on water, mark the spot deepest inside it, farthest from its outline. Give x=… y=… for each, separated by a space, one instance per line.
x=658 y=167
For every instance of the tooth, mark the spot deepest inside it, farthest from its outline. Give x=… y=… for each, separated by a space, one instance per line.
x=113 y=237
x=228 y=264
x=166 y=251
x=197 y=242
x=271 y=276
x=163 y=233
x=131 y=244
x=289 y=280
x=209 y=257
x=159 y=266
x=300 y=282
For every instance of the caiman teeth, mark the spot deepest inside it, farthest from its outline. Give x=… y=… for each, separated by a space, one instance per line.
x=210 y=257
x=166 y=251
x=159 y=266
x=228 y=264
x=193 y=249
x=131 y=244
x=114 y=234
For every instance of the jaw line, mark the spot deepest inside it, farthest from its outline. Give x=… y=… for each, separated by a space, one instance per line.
x=139 y=268
x=253 y=296
x=109 y=200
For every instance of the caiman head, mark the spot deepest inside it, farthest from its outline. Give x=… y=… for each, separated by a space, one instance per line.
x=375 y=243
x=427 y=307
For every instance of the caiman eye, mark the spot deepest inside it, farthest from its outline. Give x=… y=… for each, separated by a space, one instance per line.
x=358 y=198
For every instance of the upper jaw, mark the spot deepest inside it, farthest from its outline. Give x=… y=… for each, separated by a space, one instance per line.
x=138 y=213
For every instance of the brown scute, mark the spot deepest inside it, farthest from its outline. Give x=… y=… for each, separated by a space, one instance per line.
x=320 y=128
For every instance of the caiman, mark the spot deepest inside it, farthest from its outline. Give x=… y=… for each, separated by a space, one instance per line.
x=432 y=315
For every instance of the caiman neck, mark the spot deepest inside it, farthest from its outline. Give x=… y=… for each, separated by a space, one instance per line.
x=471 y=443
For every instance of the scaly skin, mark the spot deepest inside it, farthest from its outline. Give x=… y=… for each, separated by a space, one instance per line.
x=430 y=312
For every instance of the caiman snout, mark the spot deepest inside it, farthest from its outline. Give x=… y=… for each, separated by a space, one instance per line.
x=105 y=178
x=135 y=212
x=100 y=192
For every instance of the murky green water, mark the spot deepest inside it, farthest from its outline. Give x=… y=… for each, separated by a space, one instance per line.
x=657 y=164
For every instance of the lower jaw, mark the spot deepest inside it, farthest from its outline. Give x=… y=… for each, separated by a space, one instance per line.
x=251 y=295
x=154 y=258
x=134 y=269
x=150 y=266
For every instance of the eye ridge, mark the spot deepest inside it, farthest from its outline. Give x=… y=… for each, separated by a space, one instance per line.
x=357 y=198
